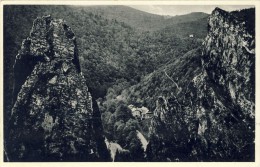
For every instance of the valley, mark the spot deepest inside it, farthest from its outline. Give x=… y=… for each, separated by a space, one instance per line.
x=151 y=88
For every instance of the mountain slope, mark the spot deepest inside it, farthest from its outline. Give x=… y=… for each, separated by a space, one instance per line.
x=122 y=47
x=141 y=20
x=195 y=28
x=137 y=19
x=163 y=81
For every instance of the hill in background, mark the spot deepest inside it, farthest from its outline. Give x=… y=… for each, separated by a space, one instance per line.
x=141 y=20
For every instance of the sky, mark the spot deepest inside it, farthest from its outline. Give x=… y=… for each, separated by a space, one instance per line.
x=174 y=10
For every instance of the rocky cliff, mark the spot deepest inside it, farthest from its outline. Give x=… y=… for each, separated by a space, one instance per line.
x=54 y=117
x=215 y=119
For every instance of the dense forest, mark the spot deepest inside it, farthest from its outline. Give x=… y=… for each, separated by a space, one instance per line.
x=128 y=57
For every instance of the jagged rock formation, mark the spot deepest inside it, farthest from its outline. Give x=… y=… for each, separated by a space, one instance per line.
x=54 y=117
x=170 y=132
x=215 y=119
x=229 y=94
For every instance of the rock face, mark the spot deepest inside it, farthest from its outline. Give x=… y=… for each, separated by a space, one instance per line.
x=215 y=119
x=54 y=117
x=227 y=98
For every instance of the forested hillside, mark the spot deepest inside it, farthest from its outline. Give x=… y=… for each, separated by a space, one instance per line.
x=140 y=20
x=110 y=42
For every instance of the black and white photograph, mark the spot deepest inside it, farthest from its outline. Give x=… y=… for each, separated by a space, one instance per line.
x=129 y=83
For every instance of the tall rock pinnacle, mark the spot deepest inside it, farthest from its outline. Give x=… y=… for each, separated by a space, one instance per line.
x=53 y=117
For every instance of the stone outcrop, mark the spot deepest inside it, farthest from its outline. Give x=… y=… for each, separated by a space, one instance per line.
x=170 y=133
x=226 y=89
x=54 y=117
x=229 y=59
x=215 y=119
